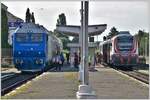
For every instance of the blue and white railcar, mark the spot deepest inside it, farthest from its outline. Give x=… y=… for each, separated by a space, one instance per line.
x=32 y=48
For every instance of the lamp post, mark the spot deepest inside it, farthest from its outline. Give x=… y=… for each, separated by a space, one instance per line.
x=84 y=91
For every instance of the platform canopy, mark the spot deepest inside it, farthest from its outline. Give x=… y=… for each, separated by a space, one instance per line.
x=73 y=30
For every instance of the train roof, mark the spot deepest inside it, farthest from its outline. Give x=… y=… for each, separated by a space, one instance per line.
x=121 y=33
x=31 y=27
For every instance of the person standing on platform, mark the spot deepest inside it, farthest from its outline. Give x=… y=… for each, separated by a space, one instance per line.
x=68 y=56
x=62 y=59
x=76 y=60
x=72 y=60
x=58 y=62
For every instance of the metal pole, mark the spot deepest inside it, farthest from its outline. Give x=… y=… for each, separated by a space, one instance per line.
x=81 y=45
x=85 y=44
x=85 y=91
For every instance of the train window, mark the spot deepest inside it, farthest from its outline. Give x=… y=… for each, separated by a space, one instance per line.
x=22 y=37
x=125 y=43
x=36 y=37
x=125 y=39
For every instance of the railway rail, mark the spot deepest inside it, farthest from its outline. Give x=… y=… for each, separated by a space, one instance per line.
x=13 y=82
x=137 y=75
x=132 y=73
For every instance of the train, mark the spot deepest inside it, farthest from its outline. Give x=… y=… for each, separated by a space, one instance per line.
x=33 y=47
x=120 y=51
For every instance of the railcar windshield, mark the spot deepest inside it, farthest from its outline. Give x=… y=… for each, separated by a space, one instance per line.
x=36 y=37
x=125 y=43
x=22 y=37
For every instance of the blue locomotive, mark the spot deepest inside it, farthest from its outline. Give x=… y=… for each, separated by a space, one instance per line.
x=33 y=47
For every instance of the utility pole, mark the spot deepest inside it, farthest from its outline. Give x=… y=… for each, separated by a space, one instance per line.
x=85 y=91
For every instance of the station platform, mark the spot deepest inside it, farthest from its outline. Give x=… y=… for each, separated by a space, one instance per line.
x=106 y=82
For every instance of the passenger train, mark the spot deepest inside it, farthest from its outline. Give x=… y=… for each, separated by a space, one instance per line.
x=33 y=47
x=120 y=51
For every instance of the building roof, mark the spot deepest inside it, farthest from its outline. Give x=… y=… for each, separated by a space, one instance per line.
x=73 y=30
x=4 y=6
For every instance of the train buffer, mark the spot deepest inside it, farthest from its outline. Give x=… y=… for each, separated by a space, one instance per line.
x=106 y=82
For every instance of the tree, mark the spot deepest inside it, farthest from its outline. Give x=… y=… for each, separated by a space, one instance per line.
x=28 y=16
x=64 y=38
x=143 y=42
x=113 y=32
x=4 y=29
x=32 y=18
x=61 y=20
x=75 y=40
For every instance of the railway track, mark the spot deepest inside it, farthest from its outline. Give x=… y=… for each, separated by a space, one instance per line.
x=15 y=81
x=134 y=73
x=137 y=75
x=8 y=76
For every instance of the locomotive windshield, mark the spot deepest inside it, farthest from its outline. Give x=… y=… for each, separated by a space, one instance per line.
x=36 y=37
x=125 y=43
x=22 y=37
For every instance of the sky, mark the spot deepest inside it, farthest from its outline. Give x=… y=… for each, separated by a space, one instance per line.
x=124 y=15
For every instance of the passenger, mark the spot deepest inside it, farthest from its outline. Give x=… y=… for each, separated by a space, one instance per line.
x=76 y=60
x=62 y=59
x=89 y=61
x=79 y=57
x=72 y=60
x=58 y=63
x=67 y=56
x=54 y=64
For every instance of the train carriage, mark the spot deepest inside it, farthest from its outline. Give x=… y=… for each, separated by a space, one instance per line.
x=120 y=51
x=33 y=47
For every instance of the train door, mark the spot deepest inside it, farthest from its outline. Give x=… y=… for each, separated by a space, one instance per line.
x=109 y=49
x=105 y=53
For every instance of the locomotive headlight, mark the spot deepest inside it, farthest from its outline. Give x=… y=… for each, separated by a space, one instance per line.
x=19 y=61
x=39 y=53
x=39 y=61
x=19 y=52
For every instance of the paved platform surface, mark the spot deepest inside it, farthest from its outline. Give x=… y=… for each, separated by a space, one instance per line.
x=107 y=83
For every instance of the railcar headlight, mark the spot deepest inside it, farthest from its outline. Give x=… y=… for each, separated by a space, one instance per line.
x=133 y=55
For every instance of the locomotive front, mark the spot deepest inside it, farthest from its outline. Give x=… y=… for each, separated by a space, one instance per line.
x=29 y=49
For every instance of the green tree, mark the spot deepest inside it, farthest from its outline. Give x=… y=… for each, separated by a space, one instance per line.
x=61 y=19
x=4 y=29
x=64 y=38
x=113 y=32
x=28 y=16
x=143 y=42
x=32 y=18
x=75 y=40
